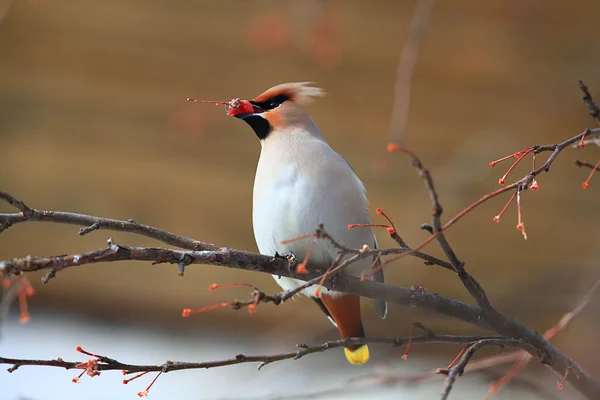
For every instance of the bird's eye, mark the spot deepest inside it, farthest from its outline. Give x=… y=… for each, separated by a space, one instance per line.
x=271 y=103
x=276 y=101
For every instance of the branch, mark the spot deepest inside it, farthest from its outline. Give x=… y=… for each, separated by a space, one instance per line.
x=586 y=165
x=499 y=322
x=524 y=358
x=457 y=370
x=468 y=280
x=518 y=186
x=365 y=288
x=6 y=10
x=404 y=72
x=91 y=223
x=108 y=364
x=520 y=358
x=593 y=109
x=226 y=257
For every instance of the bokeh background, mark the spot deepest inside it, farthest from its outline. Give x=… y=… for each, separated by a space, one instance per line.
x=94 y=120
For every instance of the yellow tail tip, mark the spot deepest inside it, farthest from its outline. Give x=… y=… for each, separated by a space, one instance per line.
x=358 y=356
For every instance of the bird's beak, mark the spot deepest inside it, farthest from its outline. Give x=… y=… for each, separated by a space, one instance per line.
x=243 y=109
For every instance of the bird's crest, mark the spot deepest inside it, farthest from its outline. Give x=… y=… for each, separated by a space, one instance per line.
x=298 y=92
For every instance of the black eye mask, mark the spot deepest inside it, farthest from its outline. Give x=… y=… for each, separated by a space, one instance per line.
x=271 y=103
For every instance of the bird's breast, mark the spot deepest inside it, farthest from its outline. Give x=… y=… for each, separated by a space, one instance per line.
x=296 y=189
x=282 y=210
x=293 y=202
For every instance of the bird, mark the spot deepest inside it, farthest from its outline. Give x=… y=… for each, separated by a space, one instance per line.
x=301 y=183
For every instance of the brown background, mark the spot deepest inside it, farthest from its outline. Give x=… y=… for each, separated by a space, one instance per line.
x=94 y=120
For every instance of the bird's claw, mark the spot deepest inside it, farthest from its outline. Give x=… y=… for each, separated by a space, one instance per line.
x=289 y=256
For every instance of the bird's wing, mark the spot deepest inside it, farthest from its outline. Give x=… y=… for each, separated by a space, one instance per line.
x=380 y=305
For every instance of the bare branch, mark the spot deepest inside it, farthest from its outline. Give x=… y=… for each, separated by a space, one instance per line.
x=588 y=101
x=499 y=322
x=524 y=358
x=5 y=10
x=586 y=165
x=520 y=358
x=93 y=223
x=404 y=72
x=226 y=257
x=459 y=368
x=394 y=294
x=10 y=199
x=468 y=280
x=108 y=364
x=520 y=185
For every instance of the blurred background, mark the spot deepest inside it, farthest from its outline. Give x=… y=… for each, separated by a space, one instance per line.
x=94 y=119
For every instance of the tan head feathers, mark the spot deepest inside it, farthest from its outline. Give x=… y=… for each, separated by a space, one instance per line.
x=298 y=92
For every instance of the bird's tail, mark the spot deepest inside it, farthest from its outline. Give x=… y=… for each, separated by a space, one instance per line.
x=357 y=356
x=345 y=310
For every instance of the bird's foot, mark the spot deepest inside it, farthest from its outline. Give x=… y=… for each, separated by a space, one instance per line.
x=289 y=256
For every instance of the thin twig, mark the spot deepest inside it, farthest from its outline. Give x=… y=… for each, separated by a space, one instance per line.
x=4 y=12
x=404 y=72
x=588 y=101
x=92 y=223
x=18 y=204
x=108 y=364
x=586 y=165
x=522 y=184
x=501 y=323
x=459 y=367
x=525 y=357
